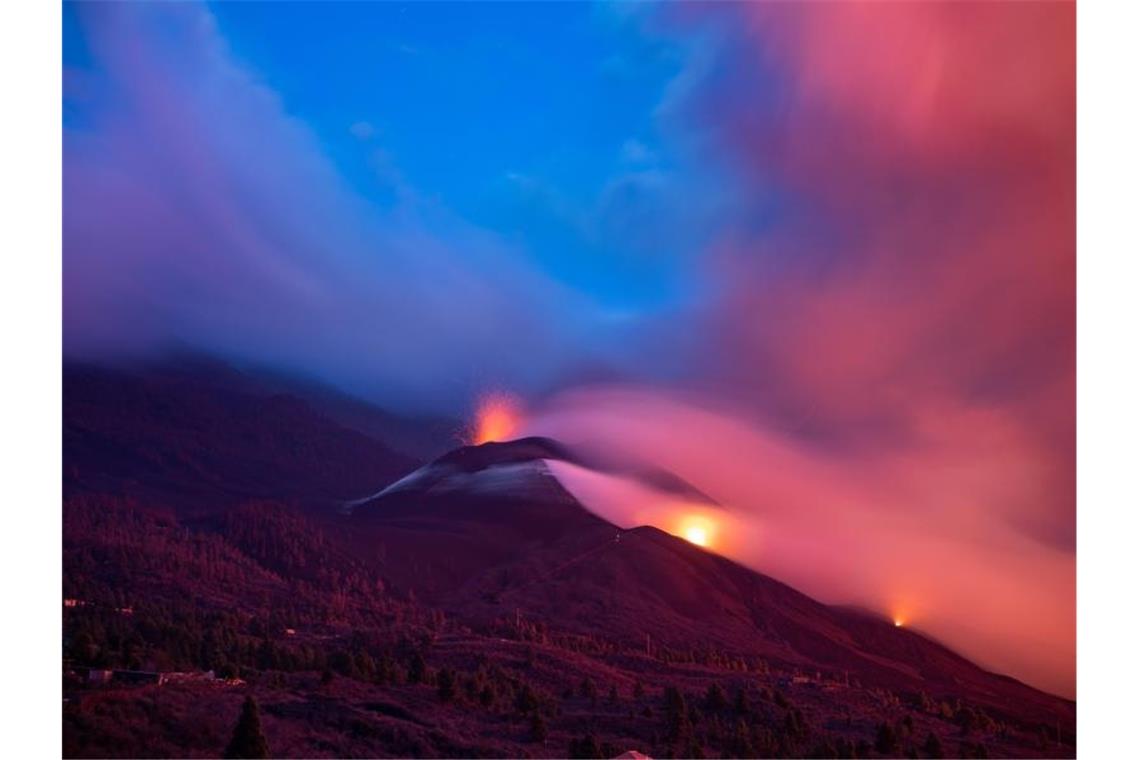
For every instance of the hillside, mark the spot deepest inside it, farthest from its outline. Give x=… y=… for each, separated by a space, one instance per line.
x=517 y=543
x=473 y=609
x=199 y=437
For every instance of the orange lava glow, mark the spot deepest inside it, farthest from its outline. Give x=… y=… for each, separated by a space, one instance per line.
x=697 y=535
x=696 y=529
x=497 y=418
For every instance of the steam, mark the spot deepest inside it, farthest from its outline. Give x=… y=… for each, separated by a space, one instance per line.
x=903 y=534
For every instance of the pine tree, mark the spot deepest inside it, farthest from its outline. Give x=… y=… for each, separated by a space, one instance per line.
x=537 y=727
x=741 y=703
x=417 y=669
x=248 y=741
x=715 y=700
x=886 y=742
x=585 y=748
x=676 y=714
x=932 y=747
x=445 y=682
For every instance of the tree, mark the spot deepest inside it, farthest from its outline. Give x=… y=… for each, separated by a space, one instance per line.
x=932 y=747
x=588 y=689
x=676 y=714
x=417 y=669
x=537 y=727
x=248 y=741
x=715 y=700
x=525 y=699
x=969 y=749
x=794 y=725
x=966 y=719
x=741 y=704
x=445 y=683
x=886 y=743
x=824 y=749
x=586 y=748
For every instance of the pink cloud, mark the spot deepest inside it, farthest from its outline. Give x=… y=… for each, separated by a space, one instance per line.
x=883 y=388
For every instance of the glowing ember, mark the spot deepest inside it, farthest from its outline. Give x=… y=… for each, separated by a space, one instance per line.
x=497 y=418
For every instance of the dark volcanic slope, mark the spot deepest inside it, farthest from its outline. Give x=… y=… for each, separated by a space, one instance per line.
x=470 y=511
x=487 y=531
x=201 y=437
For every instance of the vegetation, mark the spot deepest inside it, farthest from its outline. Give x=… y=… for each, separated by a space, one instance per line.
x=248 y=741
x=260 y=595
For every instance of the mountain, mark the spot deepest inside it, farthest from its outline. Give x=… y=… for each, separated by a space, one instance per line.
x=488 y=530
x=216 y=522
x=199 y=435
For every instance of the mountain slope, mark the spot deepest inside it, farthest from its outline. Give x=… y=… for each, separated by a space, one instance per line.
x=184 y=550
x=488 y=532
x=199 y=438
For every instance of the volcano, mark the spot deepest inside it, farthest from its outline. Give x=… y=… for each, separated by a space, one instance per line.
x=223 y=513
x=488 y=531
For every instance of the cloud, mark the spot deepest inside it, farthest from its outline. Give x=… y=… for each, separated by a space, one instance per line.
x=362 y=130
x=199 y=212
x=636 y=152
x=881 y=375
x=924 y=534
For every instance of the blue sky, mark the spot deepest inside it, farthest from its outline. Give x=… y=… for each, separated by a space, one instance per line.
x=476 y=170
x=536 y=121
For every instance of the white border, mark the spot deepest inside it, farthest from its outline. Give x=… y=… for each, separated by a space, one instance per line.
x=30 y=444
x=1108 y=381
